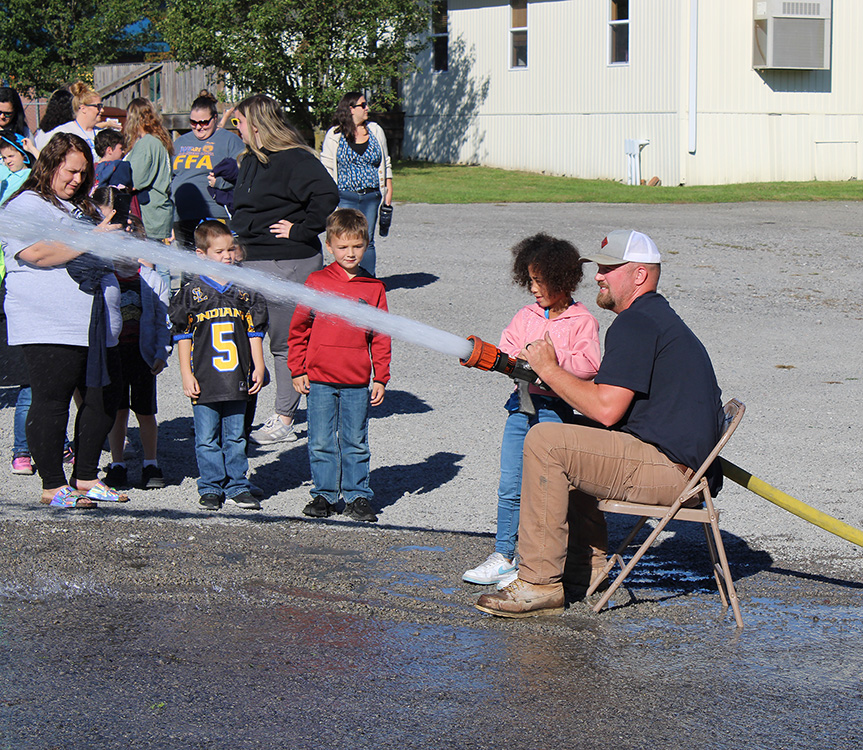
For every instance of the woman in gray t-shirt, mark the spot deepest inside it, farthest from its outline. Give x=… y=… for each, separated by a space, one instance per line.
x=67 y=327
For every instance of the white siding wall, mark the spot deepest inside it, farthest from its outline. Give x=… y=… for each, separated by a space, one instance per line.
x=569 y=111
x=775 y=125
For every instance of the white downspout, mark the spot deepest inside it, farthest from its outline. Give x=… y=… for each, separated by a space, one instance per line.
x=693 y=74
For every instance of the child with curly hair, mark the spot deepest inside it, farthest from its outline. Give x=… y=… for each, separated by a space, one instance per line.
x=551 y=270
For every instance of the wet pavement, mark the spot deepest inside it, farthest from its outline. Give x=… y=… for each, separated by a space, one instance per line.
x=334 y=635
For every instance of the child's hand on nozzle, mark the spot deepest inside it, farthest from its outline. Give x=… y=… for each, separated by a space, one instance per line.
x=190 y=386
x=377 y=394
x=301 y=384
x=540 y=354
x=257 y=380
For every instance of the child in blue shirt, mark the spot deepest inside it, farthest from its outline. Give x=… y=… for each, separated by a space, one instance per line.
x=17 y=161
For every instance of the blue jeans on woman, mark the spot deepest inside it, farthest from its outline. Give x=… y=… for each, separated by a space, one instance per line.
x=22 y=407
x=367 y=204
x=339 y=441
x=511 y=456
x=220 y=447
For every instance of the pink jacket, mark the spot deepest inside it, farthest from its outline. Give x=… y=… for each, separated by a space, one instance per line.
x=575 y=335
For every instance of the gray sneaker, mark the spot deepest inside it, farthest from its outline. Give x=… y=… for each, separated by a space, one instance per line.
x=273 y=431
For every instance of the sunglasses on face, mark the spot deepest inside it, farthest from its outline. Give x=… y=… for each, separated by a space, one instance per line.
x=7 y=115
x=362 y=105
x=235 y=122
x=200 y=123
x=98 y=106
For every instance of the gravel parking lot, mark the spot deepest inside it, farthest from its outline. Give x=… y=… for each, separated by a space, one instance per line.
x=154 y=624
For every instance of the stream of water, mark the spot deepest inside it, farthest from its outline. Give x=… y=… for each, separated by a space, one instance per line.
x=121 y=245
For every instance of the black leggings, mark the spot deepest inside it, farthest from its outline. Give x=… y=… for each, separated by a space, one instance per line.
x=56 y=370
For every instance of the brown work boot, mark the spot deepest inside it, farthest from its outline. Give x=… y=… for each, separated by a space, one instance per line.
x=523 y=599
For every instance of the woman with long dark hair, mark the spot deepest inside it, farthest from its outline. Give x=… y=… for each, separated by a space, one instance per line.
x=62 y=309
x=356 y=156
x=58 y=111
x=281 y=203
x=12 y=112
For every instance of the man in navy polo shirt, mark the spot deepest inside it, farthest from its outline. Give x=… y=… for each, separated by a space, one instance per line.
x=655 y=392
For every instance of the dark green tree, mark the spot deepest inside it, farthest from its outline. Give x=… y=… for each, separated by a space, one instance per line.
x=45 y=43
x=304 y=53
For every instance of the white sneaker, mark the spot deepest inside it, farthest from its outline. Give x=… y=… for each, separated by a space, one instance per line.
x=506 y=580
x=494 y=569
x=274 y=431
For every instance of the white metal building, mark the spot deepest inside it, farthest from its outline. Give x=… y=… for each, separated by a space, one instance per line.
x=721 y=91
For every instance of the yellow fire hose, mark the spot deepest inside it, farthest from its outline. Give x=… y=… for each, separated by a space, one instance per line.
x=792 y=505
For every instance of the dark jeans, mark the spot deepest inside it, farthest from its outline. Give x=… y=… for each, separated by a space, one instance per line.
x=56 y=371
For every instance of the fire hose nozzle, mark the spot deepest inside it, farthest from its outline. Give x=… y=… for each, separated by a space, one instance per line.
x=485 y=356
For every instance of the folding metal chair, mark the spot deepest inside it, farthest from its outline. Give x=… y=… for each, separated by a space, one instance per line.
x=696 y=492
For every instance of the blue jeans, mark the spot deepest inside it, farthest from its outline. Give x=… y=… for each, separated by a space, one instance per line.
x=511 y=459
x=22 y=407
x=339 y=453
x=368 y=204
x=220 y=447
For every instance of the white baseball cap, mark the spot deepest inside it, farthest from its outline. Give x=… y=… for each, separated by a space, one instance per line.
x=625 y=246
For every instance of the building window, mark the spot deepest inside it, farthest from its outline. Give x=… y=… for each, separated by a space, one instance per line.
x=618 y=33
x=440 y=35
x=518 y=34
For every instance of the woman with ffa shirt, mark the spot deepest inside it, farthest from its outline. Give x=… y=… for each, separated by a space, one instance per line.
x=196 y=154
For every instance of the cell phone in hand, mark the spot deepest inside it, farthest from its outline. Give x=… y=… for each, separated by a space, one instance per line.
x=122 y=203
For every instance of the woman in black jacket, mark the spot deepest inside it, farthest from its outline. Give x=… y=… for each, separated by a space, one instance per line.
x=281 y=203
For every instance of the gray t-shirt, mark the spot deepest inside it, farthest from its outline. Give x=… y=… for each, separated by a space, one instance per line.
x=45 y=305
x=193 y=161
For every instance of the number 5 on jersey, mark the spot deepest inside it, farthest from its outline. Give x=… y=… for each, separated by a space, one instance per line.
x=227 y=358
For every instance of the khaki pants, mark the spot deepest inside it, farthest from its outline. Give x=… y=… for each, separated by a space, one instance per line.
x=561 y=532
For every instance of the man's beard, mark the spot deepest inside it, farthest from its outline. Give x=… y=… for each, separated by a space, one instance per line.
x=605 y=300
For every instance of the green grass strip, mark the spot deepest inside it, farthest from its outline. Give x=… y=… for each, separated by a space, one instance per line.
x=424 y=182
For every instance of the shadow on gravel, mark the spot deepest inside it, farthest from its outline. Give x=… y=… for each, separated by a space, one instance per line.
x=815 y=578
x=399 y=402
x=680 y=562
x=395 y=481
x=409 y=280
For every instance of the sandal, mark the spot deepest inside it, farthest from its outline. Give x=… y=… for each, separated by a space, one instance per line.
x=68 y=497
x=101 y=491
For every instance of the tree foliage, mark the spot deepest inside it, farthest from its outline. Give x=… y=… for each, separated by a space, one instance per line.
x=304 y=53
x=46 y=43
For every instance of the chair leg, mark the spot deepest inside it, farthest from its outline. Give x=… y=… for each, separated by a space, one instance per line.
x=637 y=556
x=714 y=563
x=726 y=572
x=617 y=556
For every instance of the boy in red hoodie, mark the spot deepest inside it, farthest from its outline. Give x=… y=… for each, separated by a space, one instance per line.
x=333 y=362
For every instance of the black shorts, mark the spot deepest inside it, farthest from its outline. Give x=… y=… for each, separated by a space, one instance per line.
x=138 y=391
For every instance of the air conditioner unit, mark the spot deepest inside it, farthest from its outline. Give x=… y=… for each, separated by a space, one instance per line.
x=792 y=35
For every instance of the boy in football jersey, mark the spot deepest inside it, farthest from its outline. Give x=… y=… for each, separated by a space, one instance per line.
x=219 y=332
